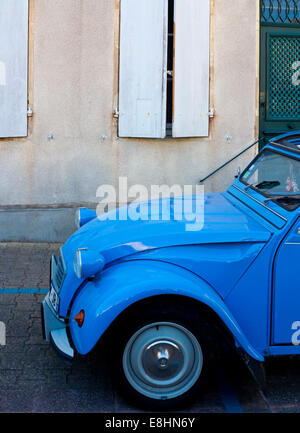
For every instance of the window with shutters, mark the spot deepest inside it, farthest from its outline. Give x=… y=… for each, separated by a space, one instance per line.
x=13 y=67
x=164 y=68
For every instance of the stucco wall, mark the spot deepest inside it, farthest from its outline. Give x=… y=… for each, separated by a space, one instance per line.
x=73 y=73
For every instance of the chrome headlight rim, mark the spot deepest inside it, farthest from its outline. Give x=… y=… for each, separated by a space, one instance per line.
x=83 y=216
x=77 y=263
x=78 y=217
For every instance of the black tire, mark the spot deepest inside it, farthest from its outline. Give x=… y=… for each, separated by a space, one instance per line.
x=187 y=320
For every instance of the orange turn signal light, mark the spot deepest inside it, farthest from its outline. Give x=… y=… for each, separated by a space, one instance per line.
x=79 y=318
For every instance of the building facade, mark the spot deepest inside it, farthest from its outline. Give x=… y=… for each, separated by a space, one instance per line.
x=160 y=92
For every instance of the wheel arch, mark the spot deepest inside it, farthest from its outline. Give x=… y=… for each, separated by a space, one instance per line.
x=182 y=301
x=129 y=285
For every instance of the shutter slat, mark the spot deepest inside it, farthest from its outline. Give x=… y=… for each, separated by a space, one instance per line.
x=191 y=77
x=13 y=67
x=143 y=60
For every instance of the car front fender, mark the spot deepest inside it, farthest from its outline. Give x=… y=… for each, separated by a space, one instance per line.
x=126 y=283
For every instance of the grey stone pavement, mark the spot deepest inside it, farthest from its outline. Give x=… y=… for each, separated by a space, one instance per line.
x=34 y=379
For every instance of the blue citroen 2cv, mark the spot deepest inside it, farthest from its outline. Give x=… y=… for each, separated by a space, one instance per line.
x=161 y=299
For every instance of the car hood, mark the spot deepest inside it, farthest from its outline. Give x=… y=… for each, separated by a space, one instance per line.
x=223 y=223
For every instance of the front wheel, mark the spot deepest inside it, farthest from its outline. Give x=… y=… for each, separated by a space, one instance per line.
x=163 y=357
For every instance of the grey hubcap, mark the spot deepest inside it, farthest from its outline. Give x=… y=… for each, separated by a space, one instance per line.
x=162 y=360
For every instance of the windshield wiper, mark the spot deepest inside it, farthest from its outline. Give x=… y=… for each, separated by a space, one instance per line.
x=286 y=198
x=265 y=184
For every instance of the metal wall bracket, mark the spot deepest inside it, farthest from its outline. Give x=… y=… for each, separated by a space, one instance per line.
x=211 y=113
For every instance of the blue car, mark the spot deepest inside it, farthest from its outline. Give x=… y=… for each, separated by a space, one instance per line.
x=160 y=300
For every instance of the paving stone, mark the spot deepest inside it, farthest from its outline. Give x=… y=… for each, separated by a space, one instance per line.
x=7 y=300
x=8 y=378
x=71 y=401
x=11 y=360
x=16 y=401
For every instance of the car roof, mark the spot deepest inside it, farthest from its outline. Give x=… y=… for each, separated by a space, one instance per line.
x=290 y=140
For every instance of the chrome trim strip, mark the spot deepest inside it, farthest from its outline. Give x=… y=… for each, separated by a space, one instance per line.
x=257 y=201
x=292 y=243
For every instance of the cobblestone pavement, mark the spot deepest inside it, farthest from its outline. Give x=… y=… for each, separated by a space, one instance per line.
x=34 y=379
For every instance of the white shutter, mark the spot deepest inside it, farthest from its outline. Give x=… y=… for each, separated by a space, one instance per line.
x=13 y=67
x=143 y=60
x=191 y=77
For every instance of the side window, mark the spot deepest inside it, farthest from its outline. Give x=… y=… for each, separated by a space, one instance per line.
x=13 y=67
x=164 y=68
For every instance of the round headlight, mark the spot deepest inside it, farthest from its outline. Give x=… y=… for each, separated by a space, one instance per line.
x=87 y=263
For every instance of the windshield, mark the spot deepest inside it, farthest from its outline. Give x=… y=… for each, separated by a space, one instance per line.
x=276 y=176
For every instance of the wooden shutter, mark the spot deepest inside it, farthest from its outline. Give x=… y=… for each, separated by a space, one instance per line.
x=13 y=67
x=143 y=60
x=191 y=75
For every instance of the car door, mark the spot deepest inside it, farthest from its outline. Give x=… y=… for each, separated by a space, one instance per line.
x=286 y=287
